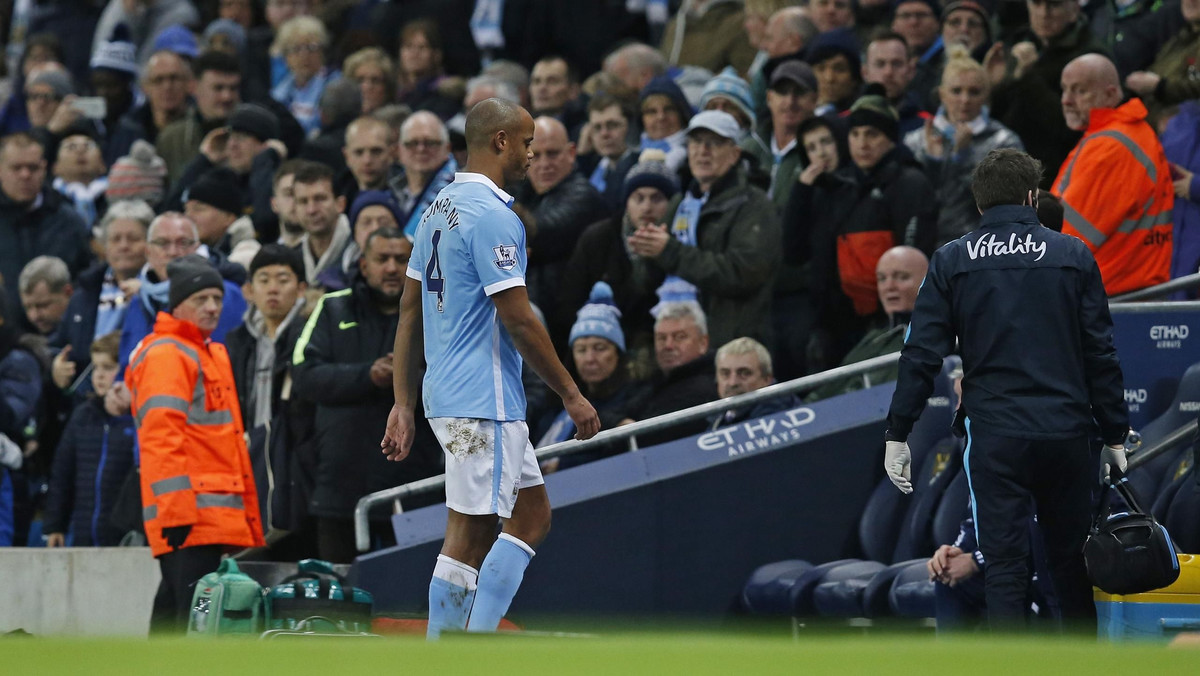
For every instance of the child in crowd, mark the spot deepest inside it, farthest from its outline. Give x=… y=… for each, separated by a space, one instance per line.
x=94 y=457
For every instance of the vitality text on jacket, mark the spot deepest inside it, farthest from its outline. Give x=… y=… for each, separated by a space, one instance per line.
x=988 y=245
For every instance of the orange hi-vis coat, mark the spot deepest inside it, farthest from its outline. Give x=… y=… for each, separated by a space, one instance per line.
x=195 y=467
x=1117 y=197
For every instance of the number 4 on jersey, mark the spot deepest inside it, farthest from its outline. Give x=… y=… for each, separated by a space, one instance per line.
x=434 y=281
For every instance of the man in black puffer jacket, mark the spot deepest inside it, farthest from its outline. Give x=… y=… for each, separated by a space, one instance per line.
x=343 y=363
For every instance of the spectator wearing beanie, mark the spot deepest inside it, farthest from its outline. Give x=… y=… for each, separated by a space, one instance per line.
x=730 y=93
x=598 y=355
x=253 y=151
x=893 y=204
x=601 y=255
x=114 y=68
x=44 y=93
x=664 y=113
x=835 y=60
x=146 y=22
x=214 y=202
x=721 y=235
x=260 y=350
x=225 y=35
x=371 y=210
x=140 y=175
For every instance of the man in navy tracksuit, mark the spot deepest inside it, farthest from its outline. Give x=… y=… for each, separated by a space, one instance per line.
x=1029 y=311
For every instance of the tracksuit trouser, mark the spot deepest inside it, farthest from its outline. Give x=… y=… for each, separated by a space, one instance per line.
x=1008 y=479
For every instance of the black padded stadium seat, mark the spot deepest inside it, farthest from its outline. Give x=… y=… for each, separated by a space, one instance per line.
x=774 y=586
x=1183 y=516
x=1181 y=462
x=911 y=594
x=852 y=591
x=766 y=592
x=1147 y=478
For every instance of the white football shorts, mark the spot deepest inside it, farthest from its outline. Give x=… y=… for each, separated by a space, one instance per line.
x=487 y=462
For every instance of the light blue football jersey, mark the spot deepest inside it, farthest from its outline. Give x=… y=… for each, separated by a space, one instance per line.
x=469 y=245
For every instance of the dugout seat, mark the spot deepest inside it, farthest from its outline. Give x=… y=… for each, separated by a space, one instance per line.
x=786 y=587
x=911 y=593
x=1147 y=478
x=866 y=594
x=1182 y=517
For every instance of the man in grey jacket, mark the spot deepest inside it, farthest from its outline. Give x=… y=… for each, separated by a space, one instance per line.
x=723 y=239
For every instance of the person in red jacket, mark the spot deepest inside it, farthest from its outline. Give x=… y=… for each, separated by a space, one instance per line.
x=198 y=494
x=1116 y=185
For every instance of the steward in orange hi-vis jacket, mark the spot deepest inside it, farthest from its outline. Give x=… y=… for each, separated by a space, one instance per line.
x=198 y=493
x=1118 y=197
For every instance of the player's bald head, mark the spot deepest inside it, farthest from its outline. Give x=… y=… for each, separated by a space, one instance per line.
x=489 y=117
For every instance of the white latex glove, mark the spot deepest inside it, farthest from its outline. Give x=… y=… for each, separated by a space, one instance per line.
x=896 y=462
x=1110 y=456
x=10 y=453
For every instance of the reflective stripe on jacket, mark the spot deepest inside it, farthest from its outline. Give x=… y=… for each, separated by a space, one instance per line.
x=194 y=464
x=1117 y=197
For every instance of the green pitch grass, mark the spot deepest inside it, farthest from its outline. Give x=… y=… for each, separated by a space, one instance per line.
x=605 y=653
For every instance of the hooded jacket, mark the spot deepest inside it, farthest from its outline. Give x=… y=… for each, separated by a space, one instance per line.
x=47 y=227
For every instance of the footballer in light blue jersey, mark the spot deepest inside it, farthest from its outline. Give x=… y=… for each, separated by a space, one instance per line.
x=465 y=303
x=469 y=245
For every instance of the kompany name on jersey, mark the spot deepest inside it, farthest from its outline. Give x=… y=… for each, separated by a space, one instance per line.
x=988 y=245
x=444 y=207
x=506 y=256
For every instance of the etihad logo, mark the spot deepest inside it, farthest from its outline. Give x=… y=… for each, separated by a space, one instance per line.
x=988 y=245
x=759 y=434
x=1135 y=398
x=1169 y=337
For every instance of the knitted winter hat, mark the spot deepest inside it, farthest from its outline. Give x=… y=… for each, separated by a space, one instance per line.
x=728 y=85
x=970 y=6
x=831 y=43
x=117 y=54
x=217 y=187
x=599 y=317
x=58 y=80
x=873 y=110
x=137 y=176
x=178 y=39
x=383 y=198
x=651 y=172
x=230 y=29
x=255 y=120
x=931 y=4
x=188 y=275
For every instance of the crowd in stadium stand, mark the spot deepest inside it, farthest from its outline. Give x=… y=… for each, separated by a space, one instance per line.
x=723 y=194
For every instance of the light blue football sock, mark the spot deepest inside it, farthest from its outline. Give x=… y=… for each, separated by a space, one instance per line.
x=499 y=578
x=451 y=595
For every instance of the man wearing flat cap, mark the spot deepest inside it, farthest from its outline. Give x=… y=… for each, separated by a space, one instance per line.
x=721 y=240
x=251 y=148
x=199 y=498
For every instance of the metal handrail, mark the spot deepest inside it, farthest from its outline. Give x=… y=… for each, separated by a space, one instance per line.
x=1166 y=443
x=362 y=510
x=1177 y=284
